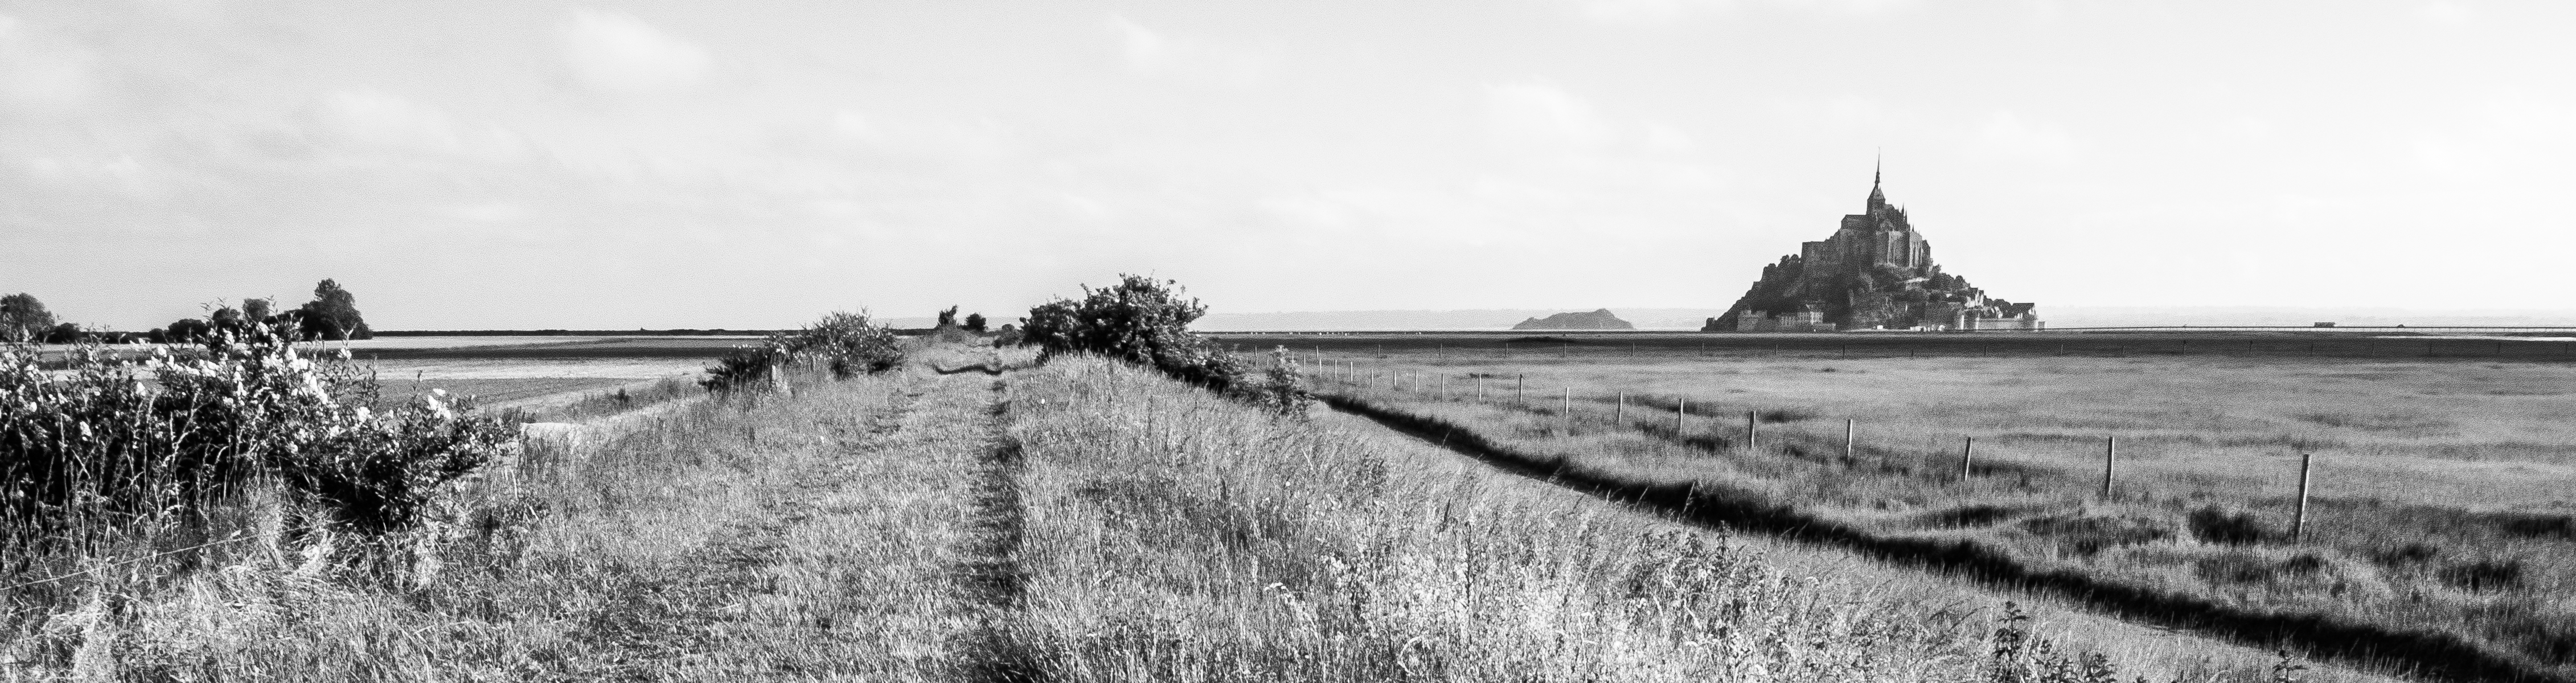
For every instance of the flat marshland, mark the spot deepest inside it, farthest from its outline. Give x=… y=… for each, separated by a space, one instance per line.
x=2439 y=513
x=1075 y=520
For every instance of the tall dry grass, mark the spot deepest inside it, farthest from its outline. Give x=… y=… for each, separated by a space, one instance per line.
x=1170 y=535
x=763 y=535
x=2487 y=584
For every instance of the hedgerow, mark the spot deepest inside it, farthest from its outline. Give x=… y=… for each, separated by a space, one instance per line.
x=90 y=450
x=1147 y=322
x=849 y=344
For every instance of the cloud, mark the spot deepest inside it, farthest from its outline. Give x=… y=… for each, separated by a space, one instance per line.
x=1148 y=52
x=39 y=74
x=371 y=120
x=1657 y=11
x=2007 y=135
x=1540 y=116
x=942 y=140
x=617 y=52
x=2445 y=13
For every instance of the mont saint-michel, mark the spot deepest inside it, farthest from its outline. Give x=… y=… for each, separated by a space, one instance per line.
x=1875 y=272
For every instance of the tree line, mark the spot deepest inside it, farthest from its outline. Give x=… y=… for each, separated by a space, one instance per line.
x=332 y=314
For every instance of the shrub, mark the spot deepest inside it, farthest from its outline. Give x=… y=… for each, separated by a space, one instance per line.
x=848 y=343
x=1147 y=322
x=188 y=331
x=65 y=333
x=92 y=449
x=332 y=314
x=1282 y=389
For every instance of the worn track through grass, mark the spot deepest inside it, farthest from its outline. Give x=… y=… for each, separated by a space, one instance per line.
x=800 y=591
x=991 y=576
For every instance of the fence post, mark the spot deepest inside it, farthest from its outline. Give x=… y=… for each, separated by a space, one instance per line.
x=1480 y=387
x=2110 y=456
x=1619 y=414
x=1519 y=394
x=1568 y=407
x=2299 y=523
x=1848 y=430
x=1967 y=458
x=1681 y=413
x=1752 y=428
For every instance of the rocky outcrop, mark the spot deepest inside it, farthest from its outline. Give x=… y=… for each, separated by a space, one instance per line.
x=1596 y=320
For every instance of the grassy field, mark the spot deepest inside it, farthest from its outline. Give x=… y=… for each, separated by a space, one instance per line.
x=2440 y=503
x=1082 y=520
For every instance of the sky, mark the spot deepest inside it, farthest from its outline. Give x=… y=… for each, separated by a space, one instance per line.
x=752 y=164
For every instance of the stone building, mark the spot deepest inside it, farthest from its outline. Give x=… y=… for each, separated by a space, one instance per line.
x=1874 y=272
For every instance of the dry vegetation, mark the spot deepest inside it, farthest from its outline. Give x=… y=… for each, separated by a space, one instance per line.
x=1083 y=520
x=2441 y=503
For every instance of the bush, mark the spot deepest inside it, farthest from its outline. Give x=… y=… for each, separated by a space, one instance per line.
x=65 y=333
x=1147 y=322
x=848 y=343
x=91 y=449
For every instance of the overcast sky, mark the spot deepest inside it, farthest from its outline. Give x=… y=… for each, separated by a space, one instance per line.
x=750 y=164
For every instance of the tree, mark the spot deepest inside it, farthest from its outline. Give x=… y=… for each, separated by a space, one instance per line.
x=65 y=333
x=332 y=314
x=948 y=318
x=187 y=331
x=255 y=310
x=225 y=318
x=975 y=322
x=23 y=318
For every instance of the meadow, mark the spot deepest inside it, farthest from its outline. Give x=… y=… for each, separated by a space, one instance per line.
x=1080 y=519
x=2439 y=506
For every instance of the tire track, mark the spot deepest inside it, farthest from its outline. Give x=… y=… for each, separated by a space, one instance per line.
x=991 y=577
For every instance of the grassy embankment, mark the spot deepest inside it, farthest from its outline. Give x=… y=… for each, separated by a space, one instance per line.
x=2440 y=507
x=1102 y=524
x=720 y=540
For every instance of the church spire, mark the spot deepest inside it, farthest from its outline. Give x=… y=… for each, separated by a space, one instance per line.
x=1877 y=199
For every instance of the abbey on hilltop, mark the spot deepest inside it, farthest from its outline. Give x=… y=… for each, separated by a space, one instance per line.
x=1875 y=272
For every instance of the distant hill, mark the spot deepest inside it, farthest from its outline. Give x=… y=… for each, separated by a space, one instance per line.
x=1601 y=319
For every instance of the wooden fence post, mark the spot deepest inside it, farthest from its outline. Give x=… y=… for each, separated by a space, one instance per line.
x=1480 y=387
x=1848 y=430
x=1520 y=394
x=1568 y=407
x=1967 y=458
x=1752 y=428
x=1619 y=415
x=2110 y=458
x=1681 y=414
x=2299 y=523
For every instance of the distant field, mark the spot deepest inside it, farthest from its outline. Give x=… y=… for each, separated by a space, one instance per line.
x=1539 y=345
x=506 y=372
x=2443 y=496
